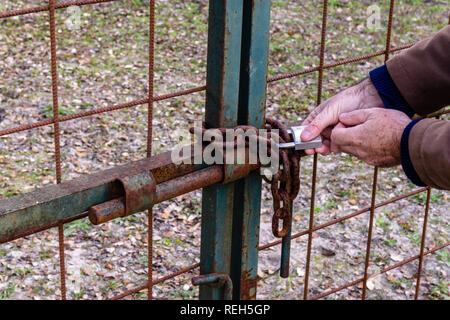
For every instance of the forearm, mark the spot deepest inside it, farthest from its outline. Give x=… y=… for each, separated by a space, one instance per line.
x=422 y=73
x=425 y=152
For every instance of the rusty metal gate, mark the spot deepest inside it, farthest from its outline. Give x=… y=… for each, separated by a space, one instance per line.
x=238 y=38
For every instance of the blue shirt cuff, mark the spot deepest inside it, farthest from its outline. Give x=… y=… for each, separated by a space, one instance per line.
x=407 y=165
x=389 y=93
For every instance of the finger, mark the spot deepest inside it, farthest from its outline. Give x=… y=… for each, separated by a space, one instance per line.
x=354 y=151
x=313 y=115
x=324 y=119
x=309 y=151
x=326 y=152
x=325 y=148
x=326 y=133
x=340 y=125
x=355 y=117
x=334 y=148
x=342 y=136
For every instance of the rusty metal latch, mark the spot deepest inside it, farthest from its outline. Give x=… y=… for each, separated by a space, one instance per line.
x=216 y=280
x=139 y=194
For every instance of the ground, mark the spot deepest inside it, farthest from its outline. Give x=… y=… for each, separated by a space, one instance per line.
x=103 y=61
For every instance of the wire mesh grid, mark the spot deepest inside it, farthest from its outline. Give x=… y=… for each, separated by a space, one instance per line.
x=149 y=100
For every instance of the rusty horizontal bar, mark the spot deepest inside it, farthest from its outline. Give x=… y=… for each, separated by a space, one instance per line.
x=25 y=11
x=351 y=215
x=115 y=208
x=99 y=193
x=157 y=281
x=42 y=208
x=87 y=113
x=335 y=64
x=399 y=264
x=349 y=284
x=188 y=91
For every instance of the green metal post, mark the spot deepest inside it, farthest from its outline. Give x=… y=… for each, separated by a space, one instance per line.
x=222 y=96
x=252 y=100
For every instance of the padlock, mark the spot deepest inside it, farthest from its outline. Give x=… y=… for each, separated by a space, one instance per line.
x=297 y=143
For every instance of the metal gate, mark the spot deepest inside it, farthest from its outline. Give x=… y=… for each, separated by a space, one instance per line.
x=238 y=38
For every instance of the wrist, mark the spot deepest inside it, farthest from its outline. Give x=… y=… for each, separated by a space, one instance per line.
x=388 y=91
x=369 y=97
x=398 y=134
x=407 y=165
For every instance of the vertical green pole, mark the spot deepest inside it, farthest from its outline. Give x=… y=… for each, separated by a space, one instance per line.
x=252 y=100
x=222 y=98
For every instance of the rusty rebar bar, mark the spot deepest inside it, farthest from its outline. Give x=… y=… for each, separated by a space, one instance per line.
x=144 y=286
x=375 y=172
x=314 y=175
x=346 y=217
x=397 y=265
x=56 y=135
x=151 y=76
x=310 y=229
x=340 y=288
x=143 y=101
x=25 y=11
x=422 y=243
x=369 y=233
x=99 y=111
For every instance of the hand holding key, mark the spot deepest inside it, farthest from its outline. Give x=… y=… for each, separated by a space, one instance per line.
x=323 y=119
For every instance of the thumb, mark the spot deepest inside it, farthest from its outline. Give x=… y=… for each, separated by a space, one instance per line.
x=317 y=125
x=355 y=117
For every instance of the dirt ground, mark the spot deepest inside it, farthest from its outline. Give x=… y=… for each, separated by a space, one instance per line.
x=103 y=61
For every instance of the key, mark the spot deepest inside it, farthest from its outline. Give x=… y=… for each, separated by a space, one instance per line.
x=298 y=144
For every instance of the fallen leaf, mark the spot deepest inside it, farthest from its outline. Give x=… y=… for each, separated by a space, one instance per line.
x=327 y=252
x=194 y=228
x=109 y=266
x=86 y=270
x=370 y=284
x=169 y=234
x=396 y=257
x=261 y=274
x=165 y=215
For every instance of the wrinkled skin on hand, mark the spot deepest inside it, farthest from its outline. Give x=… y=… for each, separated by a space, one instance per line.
x=326 y=115
x=372 y=135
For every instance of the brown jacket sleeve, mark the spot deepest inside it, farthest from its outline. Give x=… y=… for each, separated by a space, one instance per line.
x=429 y=151
x=422 y=73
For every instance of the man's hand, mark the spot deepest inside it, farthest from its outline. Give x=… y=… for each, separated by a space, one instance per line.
x=361 y=96
x=372 y=135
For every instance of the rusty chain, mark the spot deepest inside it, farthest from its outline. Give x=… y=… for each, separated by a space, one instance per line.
x=285 y=183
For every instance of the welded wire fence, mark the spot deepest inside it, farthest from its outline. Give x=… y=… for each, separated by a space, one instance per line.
x=150 y=98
